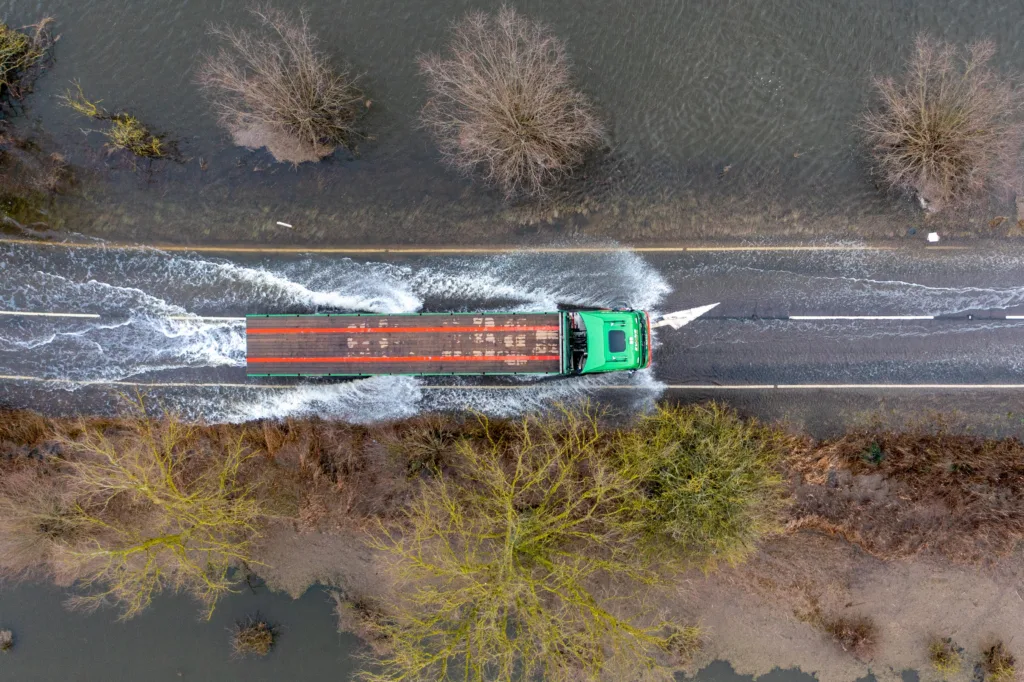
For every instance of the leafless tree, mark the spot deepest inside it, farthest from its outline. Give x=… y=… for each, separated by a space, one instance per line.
x=502 y=104
x=950 y=128
x=275 y=88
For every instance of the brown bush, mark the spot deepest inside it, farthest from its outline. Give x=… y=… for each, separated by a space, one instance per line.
x=252 y=636
x=276 y=89
x=897 y=494
x=950 y=127
x=998 y=664
x=855 y=634
x=502 y=105
x=38 y=520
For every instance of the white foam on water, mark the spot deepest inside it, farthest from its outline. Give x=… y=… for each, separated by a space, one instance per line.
x=137 y=292
x=360 y=401
x=542 y=395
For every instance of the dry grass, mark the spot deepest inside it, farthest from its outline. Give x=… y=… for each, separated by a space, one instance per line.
x=998 y=664
x=502 y=104
x=252 y=637
x=950 y=128
x=125 y=132
x=277 y=89
x=945 y=656
x=898 y=494
x=856 y=634
x=20 y=51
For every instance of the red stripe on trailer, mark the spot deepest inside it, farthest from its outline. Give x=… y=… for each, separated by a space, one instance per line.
x=419 y=358
x=400 y=330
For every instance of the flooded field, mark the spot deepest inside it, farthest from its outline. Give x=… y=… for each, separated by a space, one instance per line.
x=733 y=119
x=727 y=118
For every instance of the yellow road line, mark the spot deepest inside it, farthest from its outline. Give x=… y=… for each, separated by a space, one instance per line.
x=430 y=250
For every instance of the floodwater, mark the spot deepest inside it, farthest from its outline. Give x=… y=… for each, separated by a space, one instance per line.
x=735 y=107
x=719 y=113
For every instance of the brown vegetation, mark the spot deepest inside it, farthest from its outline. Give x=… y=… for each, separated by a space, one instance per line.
x=998 y=664
x=950 y=128
x=127 y=509
x=946 y=657
x=502 y=104
x=6 y=640
x=20 y=52
x=252 y=636
x=125 y=131
x=897 y=494
x=277 y=89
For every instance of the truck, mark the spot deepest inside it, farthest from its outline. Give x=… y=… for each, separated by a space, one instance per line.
x=452 y=344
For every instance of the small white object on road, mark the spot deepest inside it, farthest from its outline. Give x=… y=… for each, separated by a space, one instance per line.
x=283 y=224
x=933 y=237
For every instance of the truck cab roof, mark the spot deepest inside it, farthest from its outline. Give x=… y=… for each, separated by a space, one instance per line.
x=616 y=340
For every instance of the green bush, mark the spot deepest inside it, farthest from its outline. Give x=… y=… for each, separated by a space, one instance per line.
x=499 y=561
x=711 y=479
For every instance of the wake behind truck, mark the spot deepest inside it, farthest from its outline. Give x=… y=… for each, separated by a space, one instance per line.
x=419 y=344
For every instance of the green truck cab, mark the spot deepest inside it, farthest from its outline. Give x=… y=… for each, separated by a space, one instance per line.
x=608 y=341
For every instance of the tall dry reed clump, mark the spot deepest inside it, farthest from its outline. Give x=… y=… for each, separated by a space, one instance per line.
x=950 y=128
x=502 y=104
x=276 y=89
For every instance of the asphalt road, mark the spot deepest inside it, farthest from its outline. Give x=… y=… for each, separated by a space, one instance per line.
x=967 y=358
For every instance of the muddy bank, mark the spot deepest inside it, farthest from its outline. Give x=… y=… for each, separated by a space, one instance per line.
x=245 y=205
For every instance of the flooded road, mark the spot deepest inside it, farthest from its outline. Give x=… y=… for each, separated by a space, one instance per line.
x=159 y=323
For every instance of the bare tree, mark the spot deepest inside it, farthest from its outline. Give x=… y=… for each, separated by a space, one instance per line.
x=502 y=104
x=950 y=128
x=275 y=88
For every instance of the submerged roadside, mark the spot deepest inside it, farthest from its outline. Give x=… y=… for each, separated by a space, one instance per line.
x=841 y=557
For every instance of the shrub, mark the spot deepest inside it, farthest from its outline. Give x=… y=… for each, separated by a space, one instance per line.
x=252 y=636
x=19 y=52
x=999 y=665
x=497 y=562
x=946 y=657
x=38 y=519
x=501 y=104
x=277 y=89
x=125 y=132
x=712 y=481
x=159 y=509
x=855 y=634
x=951 y=127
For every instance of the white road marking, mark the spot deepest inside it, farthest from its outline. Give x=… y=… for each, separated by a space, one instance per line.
x=17 y=313
x=861 y=317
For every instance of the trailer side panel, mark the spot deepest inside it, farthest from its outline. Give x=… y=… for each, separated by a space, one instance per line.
x=422 y=343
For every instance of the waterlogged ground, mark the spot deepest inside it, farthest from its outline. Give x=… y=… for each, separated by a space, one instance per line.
x=169 y=643
x=732 y=119
x=727 y=118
